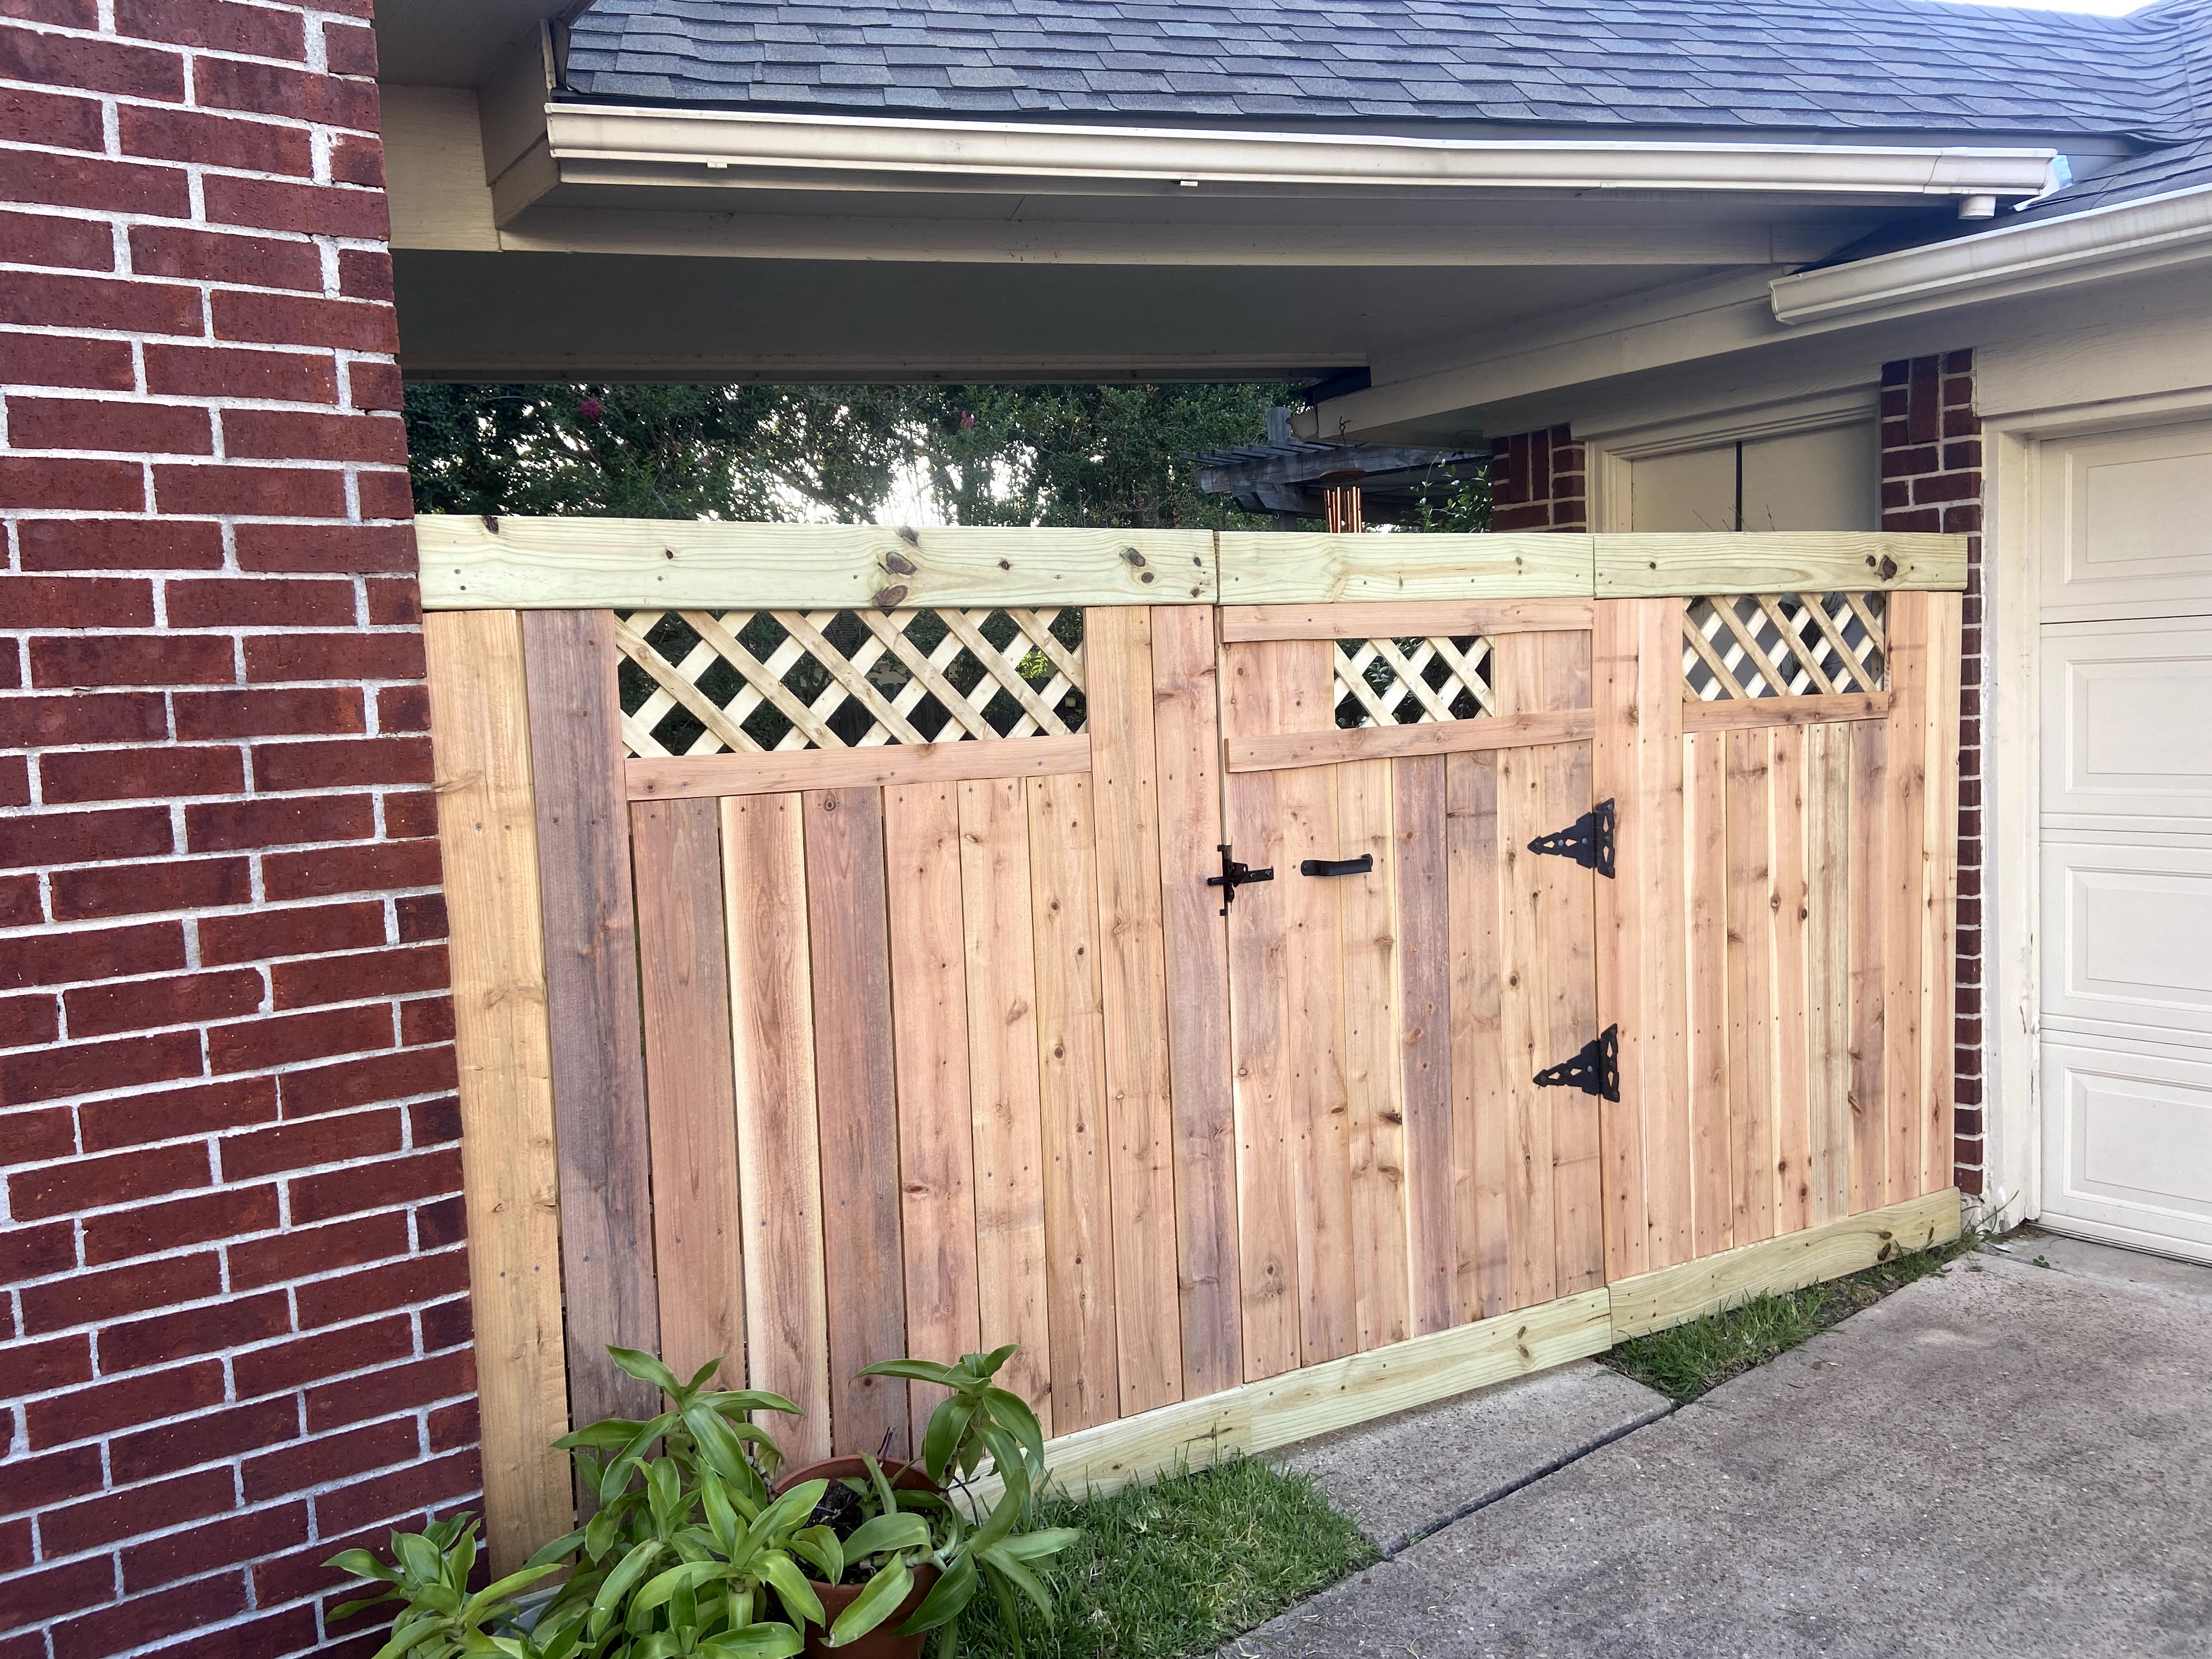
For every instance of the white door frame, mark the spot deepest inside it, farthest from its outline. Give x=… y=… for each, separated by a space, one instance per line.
x=2012 y=838
x=1609 y=450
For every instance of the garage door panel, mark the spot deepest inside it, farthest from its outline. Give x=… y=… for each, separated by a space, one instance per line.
x=2127 y=520
x=2127 y=720
x=2131 y=933
x=2131 y=1143
x=2126 y=807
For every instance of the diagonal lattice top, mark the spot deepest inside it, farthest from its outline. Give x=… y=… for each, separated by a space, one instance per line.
x=1782 y=645
x=1405 y=682
x=701 y=681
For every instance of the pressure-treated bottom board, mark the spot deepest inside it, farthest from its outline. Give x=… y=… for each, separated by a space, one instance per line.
x=1673 y=1296
x=1317 y=1400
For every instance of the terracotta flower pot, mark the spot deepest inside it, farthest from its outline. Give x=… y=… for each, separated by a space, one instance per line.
x=884 y=1642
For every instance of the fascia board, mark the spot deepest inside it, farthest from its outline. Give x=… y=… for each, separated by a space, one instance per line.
x=1650 y=330
x=2128 y=237
x=685 y=145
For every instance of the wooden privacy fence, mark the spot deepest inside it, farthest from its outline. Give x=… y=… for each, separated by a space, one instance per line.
x=1276 y=980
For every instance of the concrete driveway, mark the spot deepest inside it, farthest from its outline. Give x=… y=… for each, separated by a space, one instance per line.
x=2006 y=1460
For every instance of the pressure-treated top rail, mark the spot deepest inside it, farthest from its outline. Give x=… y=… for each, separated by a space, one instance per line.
x=580 y=564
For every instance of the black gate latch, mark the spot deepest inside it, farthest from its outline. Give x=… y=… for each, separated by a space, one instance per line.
x=1233 y=875
x=1362 y=865
x=1588 y=840
x=1594 y=1070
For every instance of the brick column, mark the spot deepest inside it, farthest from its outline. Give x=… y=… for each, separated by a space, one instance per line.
x=234 y=1323
x=1931 y=480
x=1537 y=482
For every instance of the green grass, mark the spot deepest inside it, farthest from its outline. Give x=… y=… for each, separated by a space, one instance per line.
x=1693 y=1359
x=1179 y=1566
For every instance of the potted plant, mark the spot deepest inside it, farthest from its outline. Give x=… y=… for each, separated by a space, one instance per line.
x=687 y=1553
x=438 y=1614
x=908 y=1559
x=691 y=1552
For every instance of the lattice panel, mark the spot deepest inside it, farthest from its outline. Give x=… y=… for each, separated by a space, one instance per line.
x=1405 y=682
x=701 y=683
x=1782 y=644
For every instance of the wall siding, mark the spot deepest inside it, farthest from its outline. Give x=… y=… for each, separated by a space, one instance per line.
x=234 y=1312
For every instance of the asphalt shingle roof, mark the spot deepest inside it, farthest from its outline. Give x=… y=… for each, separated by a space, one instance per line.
x=1826 y=66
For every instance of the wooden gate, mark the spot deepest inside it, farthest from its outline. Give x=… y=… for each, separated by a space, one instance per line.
x=839 y=979
x=1410 y=968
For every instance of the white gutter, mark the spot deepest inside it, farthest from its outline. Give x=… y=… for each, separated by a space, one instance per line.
x=618 y=144
x=2123 y=240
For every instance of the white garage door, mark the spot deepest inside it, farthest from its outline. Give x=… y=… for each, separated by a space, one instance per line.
x=2127 y=837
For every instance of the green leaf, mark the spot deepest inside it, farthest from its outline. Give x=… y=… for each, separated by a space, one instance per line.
x=648 y=1431
x=821 y=1547
x=897 y=1531
x=477 y=1607
x=1002 y=1519
x=631 y=1569
x=788 y=1512
x=791 y=1587
x=419 y=1558
x=601 y=1533
x=739 y=1401
x=347 y=1609
x=361 y=1565
x=914 y=1370
x=1039 y=1545
x=699 y=1377
x=1014 y=1413
x=1021 y=1578
x=1010 y=1611
x=876 y=1603
x=718 y=1444
x=948 y=1423
x=404 y=1636
x=664 y=1487
x=755 y=1642
x=947 y=1600
x=688 y=1575
x=996 y=1357
x=557 y=1552
x=608 y=1434
x=645 y=1368
x=721 y=1513
x=876 y=1478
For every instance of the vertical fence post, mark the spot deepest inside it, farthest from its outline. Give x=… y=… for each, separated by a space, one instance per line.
x=592 y=997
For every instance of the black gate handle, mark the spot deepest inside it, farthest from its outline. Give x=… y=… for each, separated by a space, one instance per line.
x=1364 y=865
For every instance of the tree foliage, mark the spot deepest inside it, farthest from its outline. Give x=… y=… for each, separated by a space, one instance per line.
x=1105 y=455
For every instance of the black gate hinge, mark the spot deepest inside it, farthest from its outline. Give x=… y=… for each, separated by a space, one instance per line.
x=1588 y=840
x=1233 y=875
x=1594 y=1070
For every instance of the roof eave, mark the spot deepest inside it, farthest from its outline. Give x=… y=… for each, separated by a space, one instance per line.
x=2148 y=233
x=626 y=144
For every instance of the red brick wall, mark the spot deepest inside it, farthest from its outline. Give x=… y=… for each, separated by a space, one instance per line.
x=1537 y=482
x=1931 y=480
x=233 y=1327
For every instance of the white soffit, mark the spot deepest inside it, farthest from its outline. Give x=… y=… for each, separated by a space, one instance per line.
x=615 y=144
x=2124 y=239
